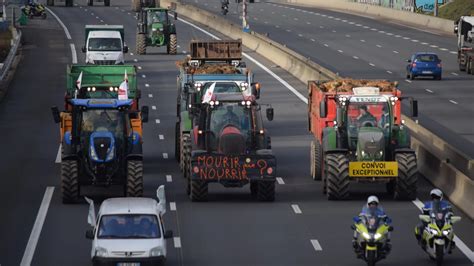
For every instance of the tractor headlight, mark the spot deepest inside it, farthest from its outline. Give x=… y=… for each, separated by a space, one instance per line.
x=100 y=252
x=155 y=252
x=381 y=154
x=93 y=154
x=366 y=235
x=446 y=232
x=154 y=29
x=363 y=153
x=110 y=154
x=377 y=236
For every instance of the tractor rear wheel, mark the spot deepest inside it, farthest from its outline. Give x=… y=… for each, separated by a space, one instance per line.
x=199 y=190
x=471 y=66
x=106 y=2
x=134 y=179
x=136 y=5
x=337 y=176
x=141 y=44
x=177 y=143
x=69 y=181
x=316 y=157
x=405 y=187
x=253 y=188
x=266 y=191
x=172 y=47
x=185 y=152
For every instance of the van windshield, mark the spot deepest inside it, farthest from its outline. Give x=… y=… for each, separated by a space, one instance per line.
x=105 y=44
x=129 y=226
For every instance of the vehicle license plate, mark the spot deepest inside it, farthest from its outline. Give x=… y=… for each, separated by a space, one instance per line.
x=427 y=72
x=128 y=264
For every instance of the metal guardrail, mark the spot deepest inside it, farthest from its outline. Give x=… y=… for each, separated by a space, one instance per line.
x=11 y=56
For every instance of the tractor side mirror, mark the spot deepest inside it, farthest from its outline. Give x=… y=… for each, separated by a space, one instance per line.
x=256 y=89
x=56 y=114
x=409 y=60
x=270 y=114
x=144 y=114
x=90 y=234
x=168 y=234
x=414 y=108
x=175 y=16
x=390 y=228
x=84 y=49
x=323 y=109
x=125 y=49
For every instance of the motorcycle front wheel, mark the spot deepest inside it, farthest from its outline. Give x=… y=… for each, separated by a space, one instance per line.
x=371 y=258
x=439 y=255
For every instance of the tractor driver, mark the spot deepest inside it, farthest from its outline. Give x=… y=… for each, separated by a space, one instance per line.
x=365 y=118
x=230 y=117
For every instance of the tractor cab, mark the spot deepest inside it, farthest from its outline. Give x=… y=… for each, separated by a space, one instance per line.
x=156 y=29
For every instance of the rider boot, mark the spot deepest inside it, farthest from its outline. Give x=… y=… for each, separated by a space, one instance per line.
x=451 y=247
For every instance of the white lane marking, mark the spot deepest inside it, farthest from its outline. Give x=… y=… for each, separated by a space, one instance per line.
x=165 y=155
x=443 y=49
x=295 y=19
x=153 y=107
x=455 y=74
x=139 y=67
x=131 y=53
x=407 y=80
x=362 y=40
x=309 y=23
x=389 y=72
x=66 y=31
x=371 y=64
x=92 y=14
x=277 y=26
x=453 y=52
x=283 y=82
x=37 y=227
x=97 y=17
x=397 y=36
x=73 y=53
x=161 y=137
x=453 y=102
x=433 y=46
x=334 y=31
x=136 y=60
x=340 y=51
x=424 y=43
x=428 y=90
x=300 y=35
x=58 y=155
x=381 y=31
x=147 y=85
x=177 y=242
x=143 y=76
x=288 y=30
x=169 y=178
x=316 y=245
x=396 y=52
x=326 y=45
x=379 y=46
x=355 y=57
x=296 y=208
x=102 y=21
x=373 y=29
x=459 y=243
x=406 y=38
x=389 y=34
x=414 y=40
x=280 y=181
x=313 y=40
x=348 y=36
x=321 y=27
x=150 y=95
x=129 y=13
x=157 y=121
x=173 y=206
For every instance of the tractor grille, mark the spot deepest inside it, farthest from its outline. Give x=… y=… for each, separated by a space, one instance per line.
x=104 y=62
x=101 y=146
x=232 y=144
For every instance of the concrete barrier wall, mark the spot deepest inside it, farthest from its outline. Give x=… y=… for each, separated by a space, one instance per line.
x=445 y=167
x=419 y=20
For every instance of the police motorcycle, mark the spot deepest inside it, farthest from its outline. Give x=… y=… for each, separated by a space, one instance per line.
x=437 y=236
x=371 y=237
x=33 y=9
x=224 y=7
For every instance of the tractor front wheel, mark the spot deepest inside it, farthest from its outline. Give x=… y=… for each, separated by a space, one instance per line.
x=141 y=44
x=69 y=181
x=405 y=187
x=173 y=44
x=266 y=191
x=199 y=190
x=316 y=157
x=337 y=176
x=134 y=179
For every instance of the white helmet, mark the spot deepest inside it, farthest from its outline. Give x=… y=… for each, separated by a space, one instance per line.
x=372 y=199
x=436 y=193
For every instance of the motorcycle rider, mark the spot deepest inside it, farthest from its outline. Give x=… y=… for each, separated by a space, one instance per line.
x=373 y=207
x=224 y=5
x=436 y=198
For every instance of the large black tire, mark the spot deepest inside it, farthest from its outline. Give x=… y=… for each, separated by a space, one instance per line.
x=405 y=187
x=337 y=176
x=439 y=255
x=141 y=44
x=69 y=3
x=471 y=66
x=266 y=191
x=69 y=181
x=106 y=2
x=462 y=67
x=185 y=153
x=134 y=187
x=173 y=45
x=90 y=2
x=253 y=188
x=136 y=5
x=199 y=190
x=177 y=142
x=315 y=160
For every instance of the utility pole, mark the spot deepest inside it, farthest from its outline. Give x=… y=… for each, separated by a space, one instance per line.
x=245 y=24
x=435 y=13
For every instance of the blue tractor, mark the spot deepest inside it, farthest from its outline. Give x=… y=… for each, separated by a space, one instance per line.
x=101 y=145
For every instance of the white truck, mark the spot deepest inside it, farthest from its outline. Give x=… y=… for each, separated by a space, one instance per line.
x=463 y=28
x=104 y=44
x=129 y=231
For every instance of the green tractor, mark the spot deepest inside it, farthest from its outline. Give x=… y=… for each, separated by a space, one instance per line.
x=155 y=29
x=137 y=5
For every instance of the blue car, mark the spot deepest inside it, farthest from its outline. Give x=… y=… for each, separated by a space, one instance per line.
x=424 y=64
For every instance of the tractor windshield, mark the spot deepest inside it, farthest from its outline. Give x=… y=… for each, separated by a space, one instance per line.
x=157 y=17
x=222 y=87
x=104 y=120
x=368 y=115
x=230 y=123
x=105 y=44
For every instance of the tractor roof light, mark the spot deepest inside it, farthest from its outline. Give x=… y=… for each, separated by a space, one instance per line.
x=111 y=89
x=93 y=88
x=88 y=88
x=261 y=131
x=243 y=102
x=116 y=88
x=200 y=132
x=248 y=103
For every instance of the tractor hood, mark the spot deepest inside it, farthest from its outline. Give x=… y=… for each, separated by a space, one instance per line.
x=102 y=147
x=370 y=144
x=232 y=141
x=157 y=27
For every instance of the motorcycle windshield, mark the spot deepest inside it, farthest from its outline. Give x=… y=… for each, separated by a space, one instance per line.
x=372 y=220
x=438 y=214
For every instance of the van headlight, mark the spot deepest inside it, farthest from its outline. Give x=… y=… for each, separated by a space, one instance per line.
x=100 y=252
x=156 y=252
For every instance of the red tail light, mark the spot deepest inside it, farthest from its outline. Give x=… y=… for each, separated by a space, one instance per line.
x=413 y=65
x=439 y=65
